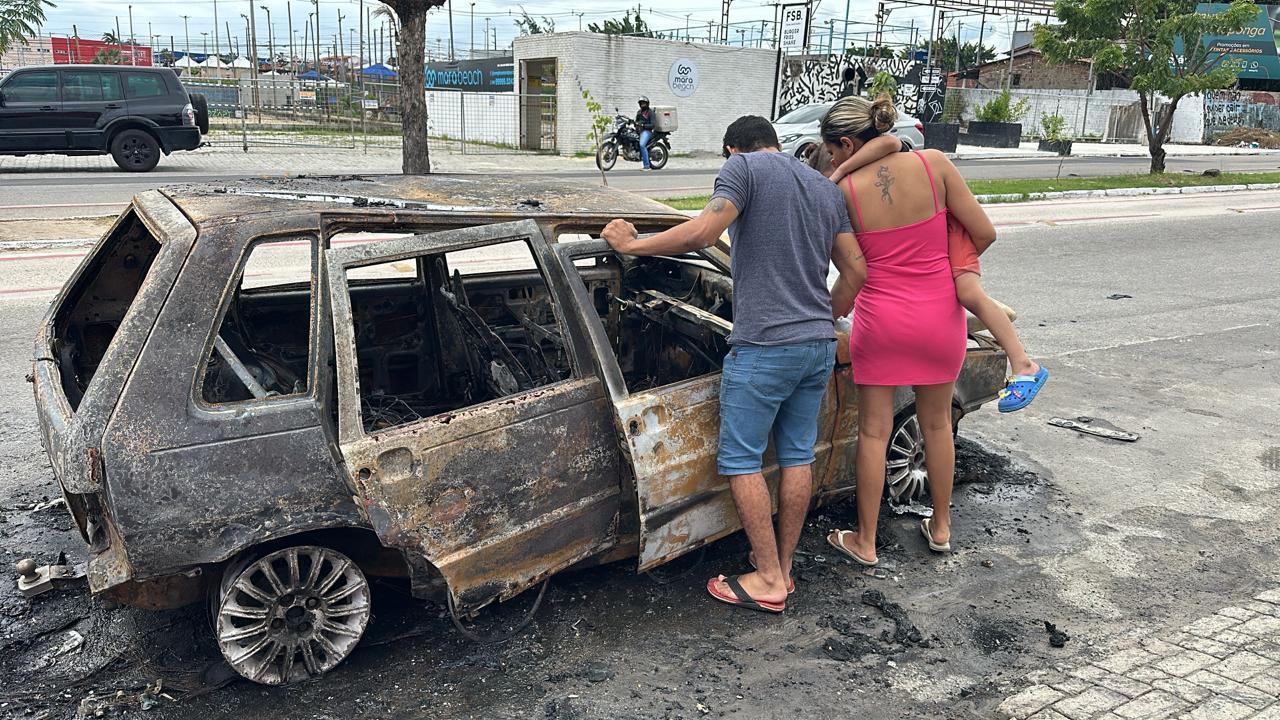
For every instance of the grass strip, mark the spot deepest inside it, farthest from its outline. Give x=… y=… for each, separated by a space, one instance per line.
x=1025 y=187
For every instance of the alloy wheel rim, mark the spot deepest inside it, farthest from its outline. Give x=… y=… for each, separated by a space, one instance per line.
x=907 y=475
x=292 y=615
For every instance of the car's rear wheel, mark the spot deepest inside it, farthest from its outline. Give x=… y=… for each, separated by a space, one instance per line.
x=291 y=615
x=135 y=150
x=906 y=474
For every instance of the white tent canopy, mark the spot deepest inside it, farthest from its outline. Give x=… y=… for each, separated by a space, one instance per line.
x=240 y=62
x=186 y=61
x=212 y=62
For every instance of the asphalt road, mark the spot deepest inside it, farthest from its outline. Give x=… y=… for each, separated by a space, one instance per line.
x=1156 y=314
x=52 y=194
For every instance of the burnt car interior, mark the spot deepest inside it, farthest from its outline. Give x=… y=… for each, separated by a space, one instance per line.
x=667 y=319
x=92 y=313
x=263 y=344
x=446 y=331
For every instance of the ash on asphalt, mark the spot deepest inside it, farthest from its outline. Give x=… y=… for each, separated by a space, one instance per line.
x=935 y=633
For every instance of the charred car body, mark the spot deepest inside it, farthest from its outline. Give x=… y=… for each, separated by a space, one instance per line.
x=264 y=393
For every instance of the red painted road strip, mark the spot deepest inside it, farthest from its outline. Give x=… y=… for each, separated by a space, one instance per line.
x=30 y=290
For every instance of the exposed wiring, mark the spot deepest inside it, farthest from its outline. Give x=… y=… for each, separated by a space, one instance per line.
x=496 y=639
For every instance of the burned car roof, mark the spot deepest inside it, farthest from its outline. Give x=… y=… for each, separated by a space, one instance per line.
x=483 y=195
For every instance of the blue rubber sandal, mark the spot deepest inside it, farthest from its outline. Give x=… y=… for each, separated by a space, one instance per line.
x=1021 y=390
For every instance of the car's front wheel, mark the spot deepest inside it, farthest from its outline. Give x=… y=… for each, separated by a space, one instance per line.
x=291 y=615
x=135 y=150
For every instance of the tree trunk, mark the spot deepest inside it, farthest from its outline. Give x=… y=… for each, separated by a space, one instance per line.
x=413 y=95
x=1155 y=140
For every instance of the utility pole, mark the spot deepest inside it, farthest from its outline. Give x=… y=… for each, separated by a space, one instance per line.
x=933 y=33
x=579 y=14
x=1013 y=37
x=449 y=4
x=253 y=38
x=133 y=50
x=205 y=35
x=486 y=37
x=119 y=37
x=844 y=34
x=686 y=26
x=360 y=63
x=187 y=31
x=306 y=41
x=341 y=54
x=216 y=49
x=293 y=58
x=316 y=35
x=472 y=52
x=724 y=21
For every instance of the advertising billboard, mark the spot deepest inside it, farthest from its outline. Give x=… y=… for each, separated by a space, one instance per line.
x=488 y=75
x=1251 y=52
x=81 y=50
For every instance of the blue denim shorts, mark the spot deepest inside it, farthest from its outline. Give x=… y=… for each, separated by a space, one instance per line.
x=772 y=390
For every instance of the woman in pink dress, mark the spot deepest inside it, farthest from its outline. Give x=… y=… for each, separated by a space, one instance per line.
x=908 y=326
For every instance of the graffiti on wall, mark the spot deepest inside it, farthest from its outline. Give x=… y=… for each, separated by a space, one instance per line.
x=1228 y=109
x=824 y=79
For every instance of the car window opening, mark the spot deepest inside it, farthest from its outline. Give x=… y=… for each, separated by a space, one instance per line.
x=262 y=347
x=89 y=318
x=442 y=332
x=667 y=319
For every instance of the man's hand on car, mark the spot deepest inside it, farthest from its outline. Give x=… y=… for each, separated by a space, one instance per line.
x=620 y=235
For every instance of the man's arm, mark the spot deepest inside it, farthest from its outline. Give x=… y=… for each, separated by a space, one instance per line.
x=871 y=151
x=695 y=234
x=846 y=254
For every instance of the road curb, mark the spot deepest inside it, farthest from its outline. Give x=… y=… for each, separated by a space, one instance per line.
x=1088 y=156
x=1122 y=192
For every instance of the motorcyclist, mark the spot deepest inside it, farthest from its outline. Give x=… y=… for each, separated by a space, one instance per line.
x=644 y=123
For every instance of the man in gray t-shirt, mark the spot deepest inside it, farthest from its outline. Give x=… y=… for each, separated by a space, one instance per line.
x=786 y=222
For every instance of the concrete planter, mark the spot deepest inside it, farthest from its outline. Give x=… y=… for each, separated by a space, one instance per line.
x=993 y=134
x=942 y=136
x=1061 y=147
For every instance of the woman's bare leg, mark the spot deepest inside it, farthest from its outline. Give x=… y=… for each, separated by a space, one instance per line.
x=974 y=299
x=933 y=408
x=875 y=424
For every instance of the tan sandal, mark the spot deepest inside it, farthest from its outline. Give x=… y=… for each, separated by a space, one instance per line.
x=836 y=540
x=928 y=535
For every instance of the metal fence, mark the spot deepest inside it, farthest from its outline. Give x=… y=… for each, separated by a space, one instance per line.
x=286 y=111
x=1107 y=115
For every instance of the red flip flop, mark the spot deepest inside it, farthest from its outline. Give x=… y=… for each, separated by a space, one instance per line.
x=751 y=560
x=741 y=598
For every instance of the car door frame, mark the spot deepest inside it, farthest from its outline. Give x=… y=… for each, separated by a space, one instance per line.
x=425 y=485
x=670 y=435
x=89 y=133
x=30 y=135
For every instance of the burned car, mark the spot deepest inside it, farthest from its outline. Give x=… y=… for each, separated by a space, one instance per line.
x=264 y=393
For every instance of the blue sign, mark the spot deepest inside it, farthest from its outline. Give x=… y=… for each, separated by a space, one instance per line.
x=1251 y=52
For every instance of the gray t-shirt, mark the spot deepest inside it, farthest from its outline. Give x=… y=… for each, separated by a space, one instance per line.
x=788 y=217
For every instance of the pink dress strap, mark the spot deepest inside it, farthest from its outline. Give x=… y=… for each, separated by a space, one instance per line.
x=854 y=197
x=929 y=171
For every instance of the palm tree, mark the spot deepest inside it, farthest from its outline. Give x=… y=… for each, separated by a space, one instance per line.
x=19 y=20
x=110 y=38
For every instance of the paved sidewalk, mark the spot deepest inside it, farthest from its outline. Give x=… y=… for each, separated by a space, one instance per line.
x=1222 y=667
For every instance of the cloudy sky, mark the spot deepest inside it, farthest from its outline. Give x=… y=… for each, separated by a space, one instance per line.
x=94 y=17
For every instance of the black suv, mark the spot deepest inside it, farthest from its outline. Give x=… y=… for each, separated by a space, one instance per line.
x=134 y=113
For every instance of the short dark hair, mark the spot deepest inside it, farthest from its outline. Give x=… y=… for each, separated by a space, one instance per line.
x=750 y=133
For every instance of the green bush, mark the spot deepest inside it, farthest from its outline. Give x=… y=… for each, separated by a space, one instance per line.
x=1002 y=109
x=883 y=84
x=953 y=106
x=1053 y=127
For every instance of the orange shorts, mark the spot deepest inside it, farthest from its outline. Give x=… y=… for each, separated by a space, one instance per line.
x=961 y=250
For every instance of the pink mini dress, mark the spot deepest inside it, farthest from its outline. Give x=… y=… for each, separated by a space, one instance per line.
x=908 y=326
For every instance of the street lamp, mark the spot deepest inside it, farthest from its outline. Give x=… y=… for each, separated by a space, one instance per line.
x=206 y=42
x=187 y=31
x=271 y=39
x=472 y=51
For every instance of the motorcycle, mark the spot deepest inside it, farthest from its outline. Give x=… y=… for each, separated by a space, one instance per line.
x=625 y=140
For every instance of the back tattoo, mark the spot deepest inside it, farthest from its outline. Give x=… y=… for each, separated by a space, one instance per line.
x=884 y=181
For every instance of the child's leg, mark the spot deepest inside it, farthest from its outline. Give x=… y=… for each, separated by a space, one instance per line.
x=975 y=300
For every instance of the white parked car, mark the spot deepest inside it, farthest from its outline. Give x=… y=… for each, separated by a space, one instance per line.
x=798 y=129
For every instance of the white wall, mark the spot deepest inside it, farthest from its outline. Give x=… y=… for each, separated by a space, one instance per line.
x=732 y=82
x=1087 y=113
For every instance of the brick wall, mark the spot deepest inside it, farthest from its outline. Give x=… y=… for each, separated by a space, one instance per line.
x=732 y=82
x=1035 y=73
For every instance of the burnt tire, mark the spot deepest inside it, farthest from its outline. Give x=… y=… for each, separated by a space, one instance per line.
x=200 y=104
x=135 y=150
x=290 y=615
x=606 y=156
x=658 y=156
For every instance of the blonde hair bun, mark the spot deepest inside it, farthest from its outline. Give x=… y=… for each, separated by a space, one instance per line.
x=883 y=114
